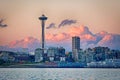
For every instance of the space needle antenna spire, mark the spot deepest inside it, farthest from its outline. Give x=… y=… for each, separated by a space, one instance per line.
x=43 y=18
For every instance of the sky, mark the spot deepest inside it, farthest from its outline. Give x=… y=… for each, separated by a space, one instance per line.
x=21 y=17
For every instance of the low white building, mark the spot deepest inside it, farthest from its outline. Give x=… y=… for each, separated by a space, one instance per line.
x=89 y=55
x=56 y=54
x=75 y=54
x=51 y=58
x=62 y=58
x=81 y=56
x=51 y=53
x=38 y=55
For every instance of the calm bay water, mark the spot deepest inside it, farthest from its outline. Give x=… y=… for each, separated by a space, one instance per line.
x=59 y=74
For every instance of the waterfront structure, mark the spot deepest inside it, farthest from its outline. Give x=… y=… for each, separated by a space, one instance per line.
x=100 y=53
x=51 y=53
x=56 y=54
x=69 y=57
x=75 y=54
x=38 y=55
x=89 y=55
x=75 y=47
x=81 y=56
x=43 y=18
x=61 y=53
x=7 y=56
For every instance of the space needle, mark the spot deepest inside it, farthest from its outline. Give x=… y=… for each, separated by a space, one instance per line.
x=43 y=18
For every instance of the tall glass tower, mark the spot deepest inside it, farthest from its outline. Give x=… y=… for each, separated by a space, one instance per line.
x=75 y=47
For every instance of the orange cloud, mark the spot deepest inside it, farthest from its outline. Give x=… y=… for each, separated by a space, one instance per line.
x=56 y=37
x=81 y=31
x=88 y=37
x=76 y=31
x=107 y=38
x=23 y=43
x=12 y=44
x=103 y=32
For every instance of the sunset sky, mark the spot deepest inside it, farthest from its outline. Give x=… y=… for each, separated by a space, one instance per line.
x=21 y=16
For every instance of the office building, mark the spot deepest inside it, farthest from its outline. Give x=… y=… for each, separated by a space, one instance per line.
x=75 y=47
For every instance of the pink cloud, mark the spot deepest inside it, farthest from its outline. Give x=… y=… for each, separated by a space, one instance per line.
x=107 y=38
x=13 y=43
x=81 y=31
x=103 y=33
x=26 y=42
x=57 y=37
x=88 y=39
x=78 y=30
x=110 y=40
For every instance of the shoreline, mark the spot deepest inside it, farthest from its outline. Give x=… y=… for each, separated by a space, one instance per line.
x=50 y=66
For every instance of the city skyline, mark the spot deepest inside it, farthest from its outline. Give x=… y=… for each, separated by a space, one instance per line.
x=59 y=39
x=95 y=22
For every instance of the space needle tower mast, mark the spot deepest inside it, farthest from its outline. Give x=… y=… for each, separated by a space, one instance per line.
x=43 y=18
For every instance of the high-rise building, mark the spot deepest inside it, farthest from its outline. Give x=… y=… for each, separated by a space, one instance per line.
x=43 y=18
x=75 y=47
x=75 y=42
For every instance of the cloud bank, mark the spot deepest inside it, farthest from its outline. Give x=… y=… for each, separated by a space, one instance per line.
x=28 y=42
x=87 y=38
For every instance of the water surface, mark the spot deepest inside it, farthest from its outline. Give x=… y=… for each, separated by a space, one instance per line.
x=59 y=74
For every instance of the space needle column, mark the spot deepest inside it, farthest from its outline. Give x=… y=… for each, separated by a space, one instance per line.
x=43 y=18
